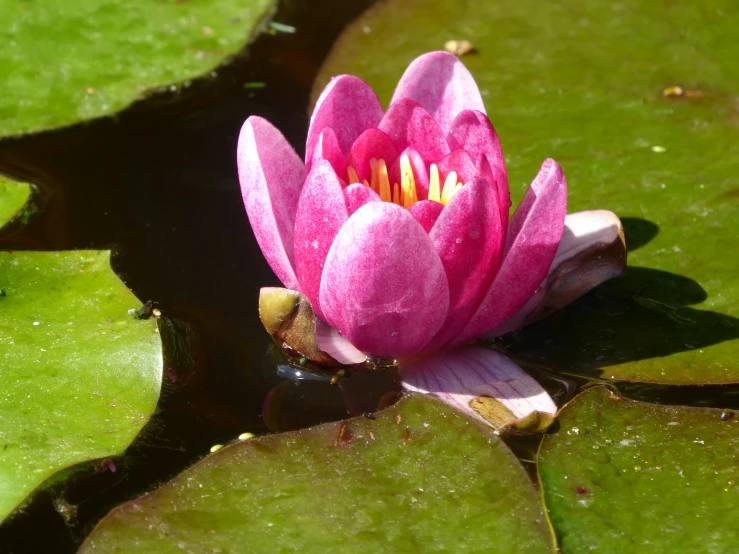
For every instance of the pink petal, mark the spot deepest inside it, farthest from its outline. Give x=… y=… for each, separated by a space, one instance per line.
x=533 y=237
x=373 y=143
x=461 y=162
x=332 y=343
x=460 y=376
x=327 y=148
x=410 y=126
x=441 y=84
x=271 y=176
x=592 y=251
x=420 y=173
x=358 y=195
x=321 y=213
x=500 y=183
x=426 y=212
x=473 y=132
x=383 y=285
x=347 y=105
x=469 y=240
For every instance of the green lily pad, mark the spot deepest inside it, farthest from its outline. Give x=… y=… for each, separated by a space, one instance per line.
x=80 y=376
x=585 y=83
x=66 y=62
x=626 y=476
x=13 y=196
x=419 y=477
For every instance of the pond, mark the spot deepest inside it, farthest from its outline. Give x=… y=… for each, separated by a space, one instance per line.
x=644 y=126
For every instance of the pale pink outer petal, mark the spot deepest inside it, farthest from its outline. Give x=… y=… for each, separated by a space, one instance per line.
x=420 y=172
x=357 y=195
x=469 y=240
x=327 y=148
x=441 y=84
x=409 y=125
x=373 y=143
x=531 y=243
x=426 y=212
x=583 y=230
x=321 y=213
x=271 y=176
x=347 y=105
x=461 y=162
x=383 y=284
x=331 y=342
x=459 y=376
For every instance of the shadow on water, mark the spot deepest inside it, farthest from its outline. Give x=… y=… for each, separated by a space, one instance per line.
x=158 y=186
x=645 y=313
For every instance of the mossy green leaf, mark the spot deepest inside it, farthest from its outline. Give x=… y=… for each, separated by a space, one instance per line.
x=13 y=196
x=592 y=85
x=79 y=376
x=625 y=476
x=420 y=477
x=64 y=62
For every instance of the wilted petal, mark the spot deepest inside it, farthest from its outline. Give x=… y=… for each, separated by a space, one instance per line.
x=327 y=148
x=420 y=173
x=357 y=195
x=289 y=319
x=461 y=162
x=441 y=84
x=482 y=383
x=271 y=176
x=321 y=213
x=469 y=240
x=426 y=212
x=373 y=143
x=533 y=237
x=411 y=126
x=383 y=285
x=347 y=105
x=338 y=347
x=592 y=251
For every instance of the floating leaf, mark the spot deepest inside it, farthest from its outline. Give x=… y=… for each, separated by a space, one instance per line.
x=13 y=196
x=79 y=376
x=626 y=476
x=65 y=62
x=584 y=83
x=419 y=476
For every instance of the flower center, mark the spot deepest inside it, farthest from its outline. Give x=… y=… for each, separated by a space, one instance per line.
x=405 y=193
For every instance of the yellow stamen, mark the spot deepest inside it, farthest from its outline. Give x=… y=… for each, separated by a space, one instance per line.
x=407 y=182
x=374 y=177
x=434 y=189
x=396 y=194
x=450 y=185
x=353 y=177
x=384 y=183
x=383 y=173
x=366 y=183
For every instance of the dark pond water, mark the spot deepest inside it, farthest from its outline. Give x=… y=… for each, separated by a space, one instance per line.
x=158 y=186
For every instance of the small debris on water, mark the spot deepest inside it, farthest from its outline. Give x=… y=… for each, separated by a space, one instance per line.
x=398 y=419
x=342 y=436
x=659 y=149
x=459 y=47
x=215 y=448
x=726 y=415
x=246 y=436
x=673 y=91
x=276 y=27
x=369 y=415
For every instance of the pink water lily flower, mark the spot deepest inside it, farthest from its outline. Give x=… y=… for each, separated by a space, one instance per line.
x=396 y=228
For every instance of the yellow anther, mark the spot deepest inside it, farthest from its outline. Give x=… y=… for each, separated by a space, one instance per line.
x=382 y=170
x=407 y=182
x=396 y=195
x=353 y=177
x=385 y=193
x=434 y=188
x=374 y=177
x=450 y=186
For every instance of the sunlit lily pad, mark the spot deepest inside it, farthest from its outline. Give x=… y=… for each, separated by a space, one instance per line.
x=79 y=376
x=419 y=477
x=13 y=196
x=592 y=84
x=63 y=62
x=626 y=476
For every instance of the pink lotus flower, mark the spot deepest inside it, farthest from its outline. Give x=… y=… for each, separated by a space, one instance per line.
x=396 y=229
